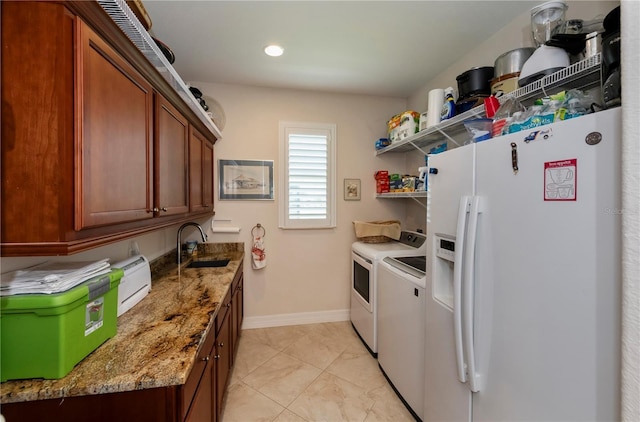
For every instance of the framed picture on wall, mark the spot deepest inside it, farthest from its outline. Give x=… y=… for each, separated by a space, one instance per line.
x=351 y=189
x=245 y=179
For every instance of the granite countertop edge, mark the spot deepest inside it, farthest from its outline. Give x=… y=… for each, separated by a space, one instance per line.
x=157 y=341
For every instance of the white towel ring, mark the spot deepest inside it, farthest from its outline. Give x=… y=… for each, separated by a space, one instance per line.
x=256 y=228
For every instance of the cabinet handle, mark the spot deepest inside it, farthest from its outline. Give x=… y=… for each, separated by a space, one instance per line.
x=228 y=305
x=206 y=358
x=153 y=210
x=221 y=344
x=216 y=357
x=163 y=209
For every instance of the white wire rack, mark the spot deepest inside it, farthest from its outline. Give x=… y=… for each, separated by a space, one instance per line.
x=581 y=75
x=123 y=16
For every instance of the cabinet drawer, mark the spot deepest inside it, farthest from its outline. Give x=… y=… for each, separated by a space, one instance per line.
x=224 y=309
x=205 y=354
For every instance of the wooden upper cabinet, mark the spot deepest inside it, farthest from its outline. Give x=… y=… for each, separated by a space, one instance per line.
x=200 y=173
x=171 y=159
x=207 y=176
x=114 y=136
x=95 y=143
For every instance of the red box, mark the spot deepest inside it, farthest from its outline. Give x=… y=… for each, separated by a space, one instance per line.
x=381 y=174
x=382 y=185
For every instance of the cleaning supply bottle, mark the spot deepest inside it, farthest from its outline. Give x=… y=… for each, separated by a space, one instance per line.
x=449 y=106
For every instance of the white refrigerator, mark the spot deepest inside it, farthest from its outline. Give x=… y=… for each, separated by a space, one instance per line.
x=523 y=276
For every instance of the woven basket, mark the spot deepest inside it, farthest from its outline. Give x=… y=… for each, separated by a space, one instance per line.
x=370 y=229
x=375 y=239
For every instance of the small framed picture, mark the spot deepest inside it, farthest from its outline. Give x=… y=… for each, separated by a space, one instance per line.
x=245 y=179
x=351 y=189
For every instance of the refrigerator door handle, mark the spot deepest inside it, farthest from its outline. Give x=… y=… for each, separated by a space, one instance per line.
x=463 y=211
x=468 y=294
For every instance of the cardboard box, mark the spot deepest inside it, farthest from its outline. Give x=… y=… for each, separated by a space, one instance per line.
x=395 y=185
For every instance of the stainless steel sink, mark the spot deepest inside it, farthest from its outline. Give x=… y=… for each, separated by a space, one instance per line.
x=209 y=264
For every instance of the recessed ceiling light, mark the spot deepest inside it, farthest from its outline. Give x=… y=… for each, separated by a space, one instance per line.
x=273 y=50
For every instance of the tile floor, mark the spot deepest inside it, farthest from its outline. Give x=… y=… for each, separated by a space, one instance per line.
x=316 y=372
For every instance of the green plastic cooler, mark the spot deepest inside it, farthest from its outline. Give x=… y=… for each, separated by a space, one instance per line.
x=46 y=335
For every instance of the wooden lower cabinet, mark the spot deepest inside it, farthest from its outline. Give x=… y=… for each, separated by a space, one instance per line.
x=203 y=407
x=200 y=399
x=237 y=305
x=223 y=360
x=151 y=405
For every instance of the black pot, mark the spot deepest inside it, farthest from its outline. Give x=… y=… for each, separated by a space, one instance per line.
x=475 y=82
x=611 y=51
x=611 y=22
x=166 y=51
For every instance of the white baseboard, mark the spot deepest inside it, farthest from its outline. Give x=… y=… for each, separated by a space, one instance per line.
x=295 y=319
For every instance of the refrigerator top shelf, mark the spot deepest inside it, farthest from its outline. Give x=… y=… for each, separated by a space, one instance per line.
x=584 y=74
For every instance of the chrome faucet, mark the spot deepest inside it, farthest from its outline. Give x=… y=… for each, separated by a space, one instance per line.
x=204 y=237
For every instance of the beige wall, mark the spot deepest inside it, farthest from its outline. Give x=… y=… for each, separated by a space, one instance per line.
x=308 y=271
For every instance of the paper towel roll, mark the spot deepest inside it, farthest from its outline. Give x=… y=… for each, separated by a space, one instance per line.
x=225 y=229
x=436 y=101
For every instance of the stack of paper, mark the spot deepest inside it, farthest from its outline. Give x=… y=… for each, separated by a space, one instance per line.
x=51 y=277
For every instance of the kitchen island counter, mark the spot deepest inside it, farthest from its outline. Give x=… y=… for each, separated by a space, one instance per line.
x=157 y=341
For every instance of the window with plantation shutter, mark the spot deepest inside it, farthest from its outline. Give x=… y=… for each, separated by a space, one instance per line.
x=307 y=154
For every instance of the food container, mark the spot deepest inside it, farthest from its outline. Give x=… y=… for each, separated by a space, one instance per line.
x=45 y=336
x=475 y=82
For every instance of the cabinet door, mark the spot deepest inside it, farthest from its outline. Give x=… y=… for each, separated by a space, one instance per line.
x=113 y=136
x=171 y=163
x=223 y=360
x=207 y=176
x=237 y=308
x=200 y=173
x=202 y=407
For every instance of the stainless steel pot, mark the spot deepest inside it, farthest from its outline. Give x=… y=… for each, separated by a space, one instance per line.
x=593 y=44
x=511 y=61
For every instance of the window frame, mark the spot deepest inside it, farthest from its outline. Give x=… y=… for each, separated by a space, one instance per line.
x=287 y=128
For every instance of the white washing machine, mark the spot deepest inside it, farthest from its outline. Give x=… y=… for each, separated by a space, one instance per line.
x=401 y=327
x=365 y=259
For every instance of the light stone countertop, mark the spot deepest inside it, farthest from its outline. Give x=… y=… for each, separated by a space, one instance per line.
x=157 y=341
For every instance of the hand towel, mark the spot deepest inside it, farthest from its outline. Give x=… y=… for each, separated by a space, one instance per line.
x=258 y=255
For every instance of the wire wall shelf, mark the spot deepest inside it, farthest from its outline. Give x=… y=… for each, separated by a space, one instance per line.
x=126 y=20
x=584 y=74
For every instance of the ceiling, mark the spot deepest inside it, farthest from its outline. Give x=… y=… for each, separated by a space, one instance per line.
x=386 y=48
